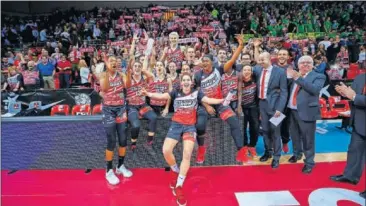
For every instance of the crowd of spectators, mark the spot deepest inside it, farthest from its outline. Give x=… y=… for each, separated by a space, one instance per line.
x=65 y=48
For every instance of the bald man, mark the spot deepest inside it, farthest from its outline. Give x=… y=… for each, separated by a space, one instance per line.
x=272 y=92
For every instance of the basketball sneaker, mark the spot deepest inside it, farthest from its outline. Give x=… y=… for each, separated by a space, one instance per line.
x=133 y=148
x=178 y=193
x=173 y=179
x=242 y=155
x=285 y=148
x=111 y=177
x=201 y=154
x=124 y=171
x=252 y=151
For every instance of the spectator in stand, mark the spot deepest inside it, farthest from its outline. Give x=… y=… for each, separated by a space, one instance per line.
x=362 y=57
x=43 y=35
x=84 y=72
x=97 y=33
x=32 y=77
x=320 y=65
x=5 y=64
x=56 y=55
x=343 y=59
x=14 y=81
x=353 y=48
x=64 y=68
x=47 y=69
x=333 y=49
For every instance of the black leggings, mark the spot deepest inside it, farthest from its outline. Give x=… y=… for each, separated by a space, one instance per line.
x=114 y=121
x=133 y=117
x=285 y=127
x=111 y=135
x=233 y=122
x=251 y=115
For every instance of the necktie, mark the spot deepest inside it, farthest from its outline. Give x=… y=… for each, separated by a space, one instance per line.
x=262 y=83
x=295 y=95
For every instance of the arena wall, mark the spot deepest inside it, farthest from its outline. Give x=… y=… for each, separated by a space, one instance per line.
x=78 y=142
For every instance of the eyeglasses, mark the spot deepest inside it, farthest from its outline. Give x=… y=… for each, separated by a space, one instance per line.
x=305 y=62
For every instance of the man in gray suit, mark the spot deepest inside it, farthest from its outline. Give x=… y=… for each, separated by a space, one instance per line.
x=356 y=154
x=272 y=90
x=304 y=104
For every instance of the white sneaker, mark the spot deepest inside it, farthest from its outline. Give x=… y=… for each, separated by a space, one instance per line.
x=111 y=178
x=124 y=171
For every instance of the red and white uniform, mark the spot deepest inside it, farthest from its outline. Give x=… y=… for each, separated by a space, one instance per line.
x=210 y=84
x=230 y=82
x=133 y=96
x=176 y=83
x=175 y=56
x=158 y=87
x=115 y=94
x=185 y=106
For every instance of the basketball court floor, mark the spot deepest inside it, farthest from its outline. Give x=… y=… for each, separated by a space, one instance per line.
x=254 y=183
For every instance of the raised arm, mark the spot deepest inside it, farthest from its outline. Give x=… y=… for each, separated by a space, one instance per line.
x=236 y=54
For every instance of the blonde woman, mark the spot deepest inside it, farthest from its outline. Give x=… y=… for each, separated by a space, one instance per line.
x=13 y=82
x=84 y=71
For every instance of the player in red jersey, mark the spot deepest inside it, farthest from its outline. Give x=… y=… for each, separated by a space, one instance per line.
x=112 y=84
x=185 y=101
x=136 y=103
x=174 y=52
x=161 y=84
x=209 y=81
x=173 y=75
x=229 y=82
x=186 y=69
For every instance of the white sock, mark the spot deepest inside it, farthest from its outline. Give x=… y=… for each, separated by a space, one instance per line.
x=175 y=168
x=180 y=181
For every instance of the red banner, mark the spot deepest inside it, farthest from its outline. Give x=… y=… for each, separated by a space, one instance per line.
x=157 y=15
x=180 y=20
x=117 y=43
x=207 y=29
x=200 y=35
x=88 y=49
x=147 y=16
x=128 y=17
x=192 y=17
x=184 y=11
x=175 y=26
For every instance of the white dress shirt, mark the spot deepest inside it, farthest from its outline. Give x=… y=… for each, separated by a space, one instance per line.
x=266 y=81
x=290 y=103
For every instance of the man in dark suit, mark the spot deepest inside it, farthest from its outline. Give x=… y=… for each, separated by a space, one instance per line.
x=272 y=90
x=356 y=154
x=283 y=56
x=304 y=105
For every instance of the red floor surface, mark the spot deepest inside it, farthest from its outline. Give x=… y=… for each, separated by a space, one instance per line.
x=203 y=186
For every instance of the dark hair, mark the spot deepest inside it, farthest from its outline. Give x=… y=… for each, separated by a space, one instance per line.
x=209 y=56
x=186 y=74
x=247 y=65
x=246 y=53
